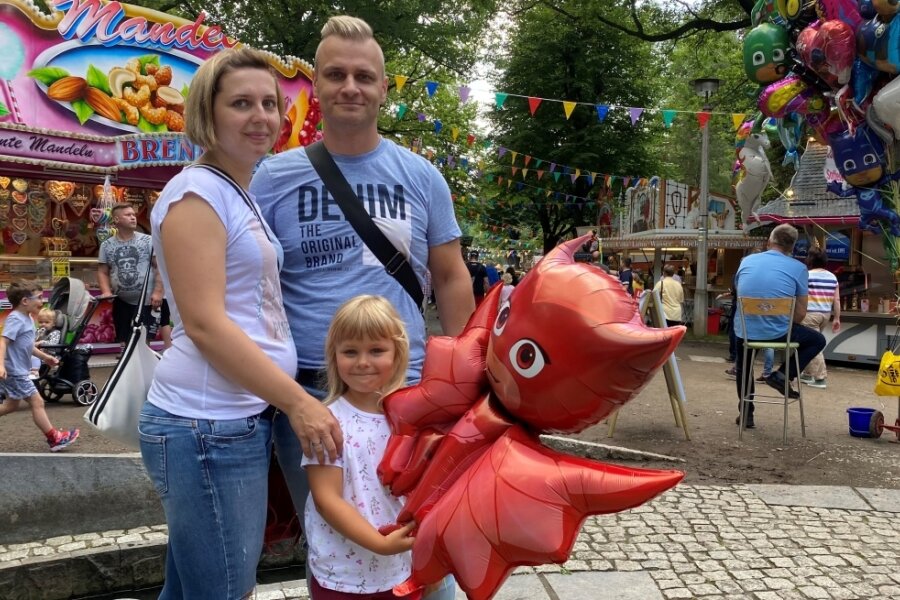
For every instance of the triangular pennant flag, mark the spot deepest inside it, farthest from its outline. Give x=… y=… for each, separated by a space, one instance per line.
x=737 y=119
x=454 y=133
x=431 y=86
x=499 y=99
x=515 y=170
x=556 y=176
x=400 y=80
x=668 y=116
x=540 y=174
x=524 y=173
x=635 y=113
x=500 y=152
x=552 y=167
x=568 y=107
x=602 y=109
x=401 y=110
x=537 y=165
x=547 y=195
x=573 y=177
x=519 y=187
x=703 y=118
x=464 y=93
x=577 y=173
x=533 y=104
x=421 y=117
x=592 y=177
x=500 y=180
x=607 y=180
x=470 y=139
x=438 y=126
x=508 y=183
x=625 y=181
x=527 y=160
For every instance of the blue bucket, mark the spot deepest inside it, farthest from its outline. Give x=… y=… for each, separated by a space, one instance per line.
x=860 y=418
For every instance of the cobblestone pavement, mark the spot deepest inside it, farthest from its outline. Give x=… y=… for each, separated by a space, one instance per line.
x=759 y=542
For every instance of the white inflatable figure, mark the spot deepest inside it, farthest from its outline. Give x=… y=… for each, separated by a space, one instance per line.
x=887 y=106
x=757 y=174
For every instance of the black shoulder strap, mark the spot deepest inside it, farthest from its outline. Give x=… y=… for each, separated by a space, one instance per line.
x=394 y=261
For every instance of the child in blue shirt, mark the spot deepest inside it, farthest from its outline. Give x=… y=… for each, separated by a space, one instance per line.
x=16 y=349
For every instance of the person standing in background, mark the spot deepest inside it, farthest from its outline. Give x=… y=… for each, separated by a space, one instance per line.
x=672 y=295
x=824 y=299
x=478 y=273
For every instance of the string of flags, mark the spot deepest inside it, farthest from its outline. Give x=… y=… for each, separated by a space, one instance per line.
x=602 y=111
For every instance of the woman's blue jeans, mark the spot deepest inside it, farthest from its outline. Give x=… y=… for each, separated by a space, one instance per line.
x=212 y=478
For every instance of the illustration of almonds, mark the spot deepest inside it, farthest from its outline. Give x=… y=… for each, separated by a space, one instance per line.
x=67 y=89
x=102 y=104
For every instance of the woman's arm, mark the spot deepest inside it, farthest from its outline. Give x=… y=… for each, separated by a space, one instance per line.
x=326 y=484
x=196 y=269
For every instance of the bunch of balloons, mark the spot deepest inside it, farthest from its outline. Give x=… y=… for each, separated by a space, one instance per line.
x=830 y=66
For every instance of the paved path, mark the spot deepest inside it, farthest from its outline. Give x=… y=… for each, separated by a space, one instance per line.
x=761 y=542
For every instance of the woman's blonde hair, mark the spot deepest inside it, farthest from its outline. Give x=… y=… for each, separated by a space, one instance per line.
x=366 y=317
x=199 y=124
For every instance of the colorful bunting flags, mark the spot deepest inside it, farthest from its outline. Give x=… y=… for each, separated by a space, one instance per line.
x=431 y=87
x=401 y=110
x=568 y=107
x=400 y=80
x=533 y=104
x=499 y=99
x=635 y=113
x=668 y=116
x=737 y=119
x=602 y=110
x=464 y=93
x=703 y=118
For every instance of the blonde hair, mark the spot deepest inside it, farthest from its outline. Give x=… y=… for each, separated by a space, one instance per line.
x=48 y=313
x=199 y=123
x=348 y=28
x=507 y=278
x=366 y=317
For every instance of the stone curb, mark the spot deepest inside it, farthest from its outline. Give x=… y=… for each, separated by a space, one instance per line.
x=600 y=451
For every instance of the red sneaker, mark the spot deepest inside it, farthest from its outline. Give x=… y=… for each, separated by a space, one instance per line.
x=63 y=440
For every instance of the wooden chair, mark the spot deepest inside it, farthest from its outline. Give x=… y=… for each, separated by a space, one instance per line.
x=769 y=307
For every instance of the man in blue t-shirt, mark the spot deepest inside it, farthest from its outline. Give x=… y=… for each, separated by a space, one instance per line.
x=325 y=261
x=774 y=274
x=626 y=276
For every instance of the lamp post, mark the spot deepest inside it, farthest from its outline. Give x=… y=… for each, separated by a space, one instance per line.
x=705 y=87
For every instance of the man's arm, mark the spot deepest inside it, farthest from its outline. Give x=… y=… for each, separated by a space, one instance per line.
x=800 y=308
x=836 y=307
x=452 y=286
x=156 y=295
x=103 y=279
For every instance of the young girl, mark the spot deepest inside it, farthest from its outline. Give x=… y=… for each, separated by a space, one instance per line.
x=366 y=355
x=48 y=332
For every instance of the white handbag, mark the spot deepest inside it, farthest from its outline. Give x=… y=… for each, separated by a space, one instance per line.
x=118 y=407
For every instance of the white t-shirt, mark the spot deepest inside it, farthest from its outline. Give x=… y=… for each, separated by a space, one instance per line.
x=336 y=562
x=186 y=384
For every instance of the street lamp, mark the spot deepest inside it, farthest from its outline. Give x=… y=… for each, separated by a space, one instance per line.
x=705 y=87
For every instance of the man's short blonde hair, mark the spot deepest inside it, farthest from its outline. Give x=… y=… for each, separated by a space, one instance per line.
x=784 y=236
x=349 y=28
x=199 y=123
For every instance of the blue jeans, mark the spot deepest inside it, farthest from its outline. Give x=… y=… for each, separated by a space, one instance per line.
x=768 y=361
x=811 y=343
x=212 y=479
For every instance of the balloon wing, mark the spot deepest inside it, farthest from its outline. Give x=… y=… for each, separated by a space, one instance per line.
x=520 y=503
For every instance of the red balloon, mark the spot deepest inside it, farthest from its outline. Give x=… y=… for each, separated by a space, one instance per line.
x=564 y=351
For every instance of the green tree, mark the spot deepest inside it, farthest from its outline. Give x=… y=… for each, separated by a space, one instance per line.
x=558 y=58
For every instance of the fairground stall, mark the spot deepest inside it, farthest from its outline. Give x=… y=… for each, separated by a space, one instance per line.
x=94 y=93
x=660 y=223
x=859 y=259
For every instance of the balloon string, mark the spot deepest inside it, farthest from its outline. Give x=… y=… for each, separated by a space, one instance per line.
x=825 y=231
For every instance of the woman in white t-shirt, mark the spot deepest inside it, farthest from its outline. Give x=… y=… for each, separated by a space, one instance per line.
x=206 y=426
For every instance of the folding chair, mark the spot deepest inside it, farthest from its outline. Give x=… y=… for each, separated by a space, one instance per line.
x=769 y=307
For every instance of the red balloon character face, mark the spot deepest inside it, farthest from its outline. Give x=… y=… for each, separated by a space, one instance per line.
x=563 y=361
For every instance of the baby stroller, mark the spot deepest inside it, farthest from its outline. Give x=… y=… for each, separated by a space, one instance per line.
x=75 y=307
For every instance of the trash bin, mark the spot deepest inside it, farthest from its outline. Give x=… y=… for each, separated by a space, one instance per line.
x=713 y=316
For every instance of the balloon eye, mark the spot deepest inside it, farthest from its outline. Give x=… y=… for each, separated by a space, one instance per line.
x=502 y=318
x=870 y=159
x=777 y=55
x=849 y=165
x=527 y=358
x=758 y=59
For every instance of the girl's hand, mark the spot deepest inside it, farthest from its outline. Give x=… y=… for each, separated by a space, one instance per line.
x=399 y=540
x=317 y=429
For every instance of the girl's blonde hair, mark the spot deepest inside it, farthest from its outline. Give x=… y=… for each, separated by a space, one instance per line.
x=47 y=313
x=366 y=317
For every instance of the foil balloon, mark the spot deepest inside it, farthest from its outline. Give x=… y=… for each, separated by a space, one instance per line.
x=845 y=11
x=878 y=38
x=756 y=174
x=565 y=350
x=886 y=104
x=828 y=48
x=765 y=53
